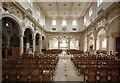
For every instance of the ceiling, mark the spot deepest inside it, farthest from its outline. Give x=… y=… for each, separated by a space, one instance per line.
x=64 y=9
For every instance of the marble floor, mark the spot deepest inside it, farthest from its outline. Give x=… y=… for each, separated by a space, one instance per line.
x=66 y=71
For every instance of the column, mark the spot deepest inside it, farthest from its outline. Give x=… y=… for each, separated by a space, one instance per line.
x=40 y=44
x=95 y=43
x=68 y=44
x=21 y=44
x=33 y=47
x=107 y=41
x=114 y=45
x=87 y=45
x=58 y=44
x=100 y=42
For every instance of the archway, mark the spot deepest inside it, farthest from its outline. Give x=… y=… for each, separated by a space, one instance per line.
x=91 y=43
x=74 y=44
x=28 y=42
x=101 y=40
x=113 y=34
x=53 y=43
x=10 y=37
x=37 y=43
x=43 y=44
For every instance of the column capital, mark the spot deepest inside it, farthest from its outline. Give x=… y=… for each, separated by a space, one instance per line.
x=95 y=38
x=33 y=38
x=21 y=35
x=40 y=40
x=107 y=36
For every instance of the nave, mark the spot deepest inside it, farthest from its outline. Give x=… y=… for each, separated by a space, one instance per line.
x=60 y=41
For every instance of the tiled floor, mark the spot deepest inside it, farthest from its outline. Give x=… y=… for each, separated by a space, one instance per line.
x=65 y=71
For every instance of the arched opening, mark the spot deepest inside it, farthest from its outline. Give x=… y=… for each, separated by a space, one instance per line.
x=114 y=37
x=4 y=44
x=43 y=44
x=64 y=44
x=53 y=43
x=10 y=37
x=37 y=43
x=91 y=43
x=101 y=40
x=28 y=41
x=74 y=44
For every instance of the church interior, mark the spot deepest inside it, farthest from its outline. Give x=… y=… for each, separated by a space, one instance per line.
x=60 y=40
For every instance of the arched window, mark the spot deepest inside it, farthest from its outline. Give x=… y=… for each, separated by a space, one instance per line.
x=84 y=19
x=30 y=2
x=53 y=22
x=99 y=2
x=64 y=23
x=104 y=43
x=90 y=11
x=64 y=44
x=74 y=23
x=101 y=40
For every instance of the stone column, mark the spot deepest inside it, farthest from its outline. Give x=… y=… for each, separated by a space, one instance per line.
x=95 y=43
x=68 y=44
x=100 y=42
x=33 y=46
x=58 y=44
x=107 y=41
x=40 y=44
x=21 y=44
x=87 y=45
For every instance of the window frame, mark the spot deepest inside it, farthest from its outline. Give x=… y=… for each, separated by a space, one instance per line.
x=85 y=19
x=99 y=2
x=30 y=2
x=90 y=11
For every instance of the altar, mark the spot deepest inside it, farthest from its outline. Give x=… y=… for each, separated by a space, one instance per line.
x=65 y=55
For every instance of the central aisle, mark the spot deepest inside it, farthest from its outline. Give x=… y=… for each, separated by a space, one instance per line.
x=65 y=71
